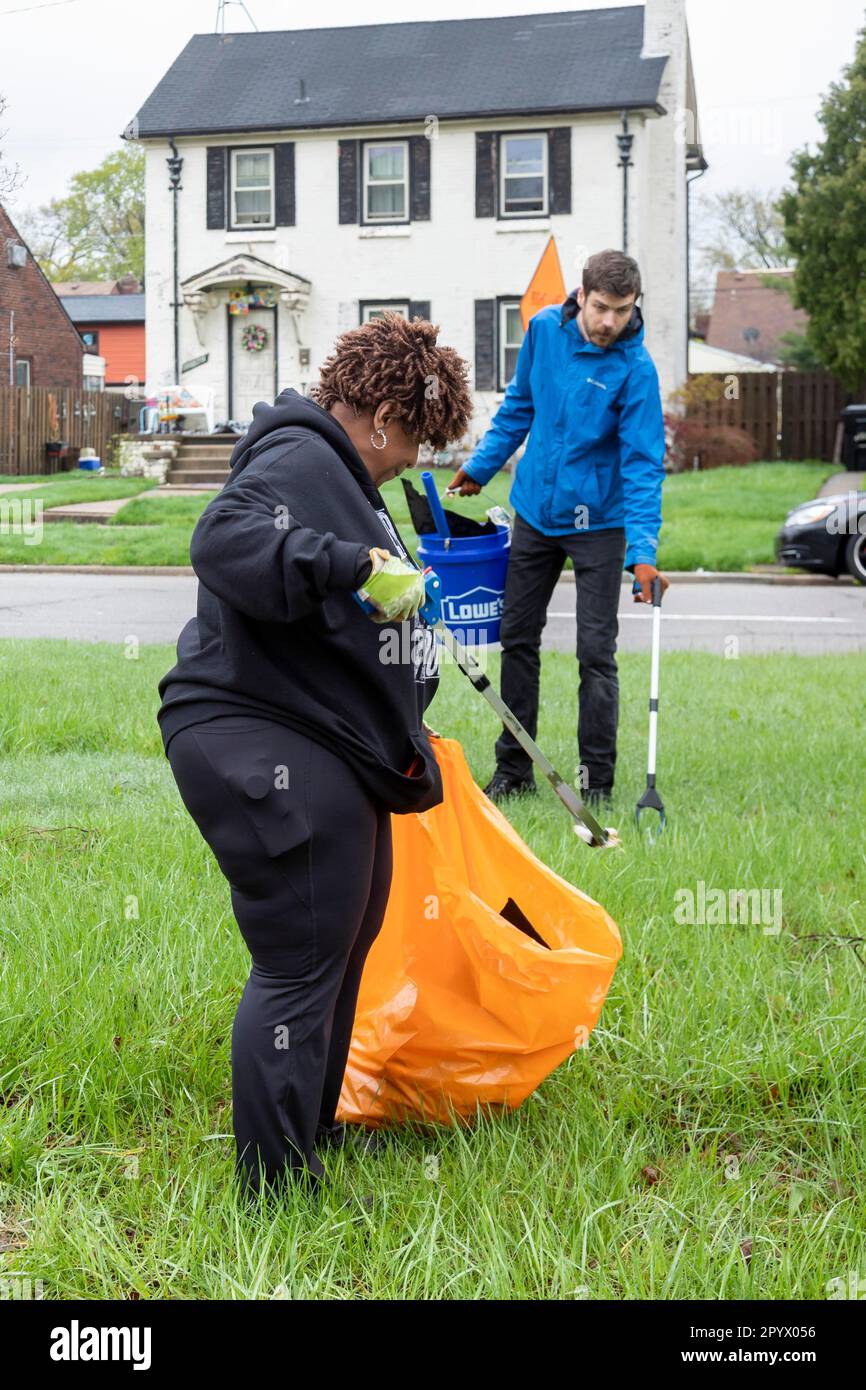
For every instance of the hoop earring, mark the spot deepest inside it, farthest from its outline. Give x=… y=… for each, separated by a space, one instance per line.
x=384 y=439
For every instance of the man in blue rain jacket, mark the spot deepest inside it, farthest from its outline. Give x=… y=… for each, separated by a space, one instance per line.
x=588 y=486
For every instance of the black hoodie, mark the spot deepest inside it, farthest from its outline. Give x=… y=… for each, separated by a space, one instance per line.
x=278 y=553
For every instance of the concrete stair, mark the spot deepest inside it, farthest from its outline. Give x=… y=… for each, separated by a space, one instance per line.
x=202 y=460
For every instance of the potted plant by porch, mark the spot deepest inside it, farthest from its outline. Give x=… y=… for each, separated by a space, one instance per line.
x=56 y=449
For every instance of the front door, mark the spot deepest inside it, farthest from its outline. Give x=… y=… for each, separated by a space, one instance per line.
x=251 y=369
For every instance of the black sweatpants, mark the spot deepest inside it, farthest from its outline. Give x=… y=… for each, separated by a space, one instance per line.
x=534 y=566
x=307 y=855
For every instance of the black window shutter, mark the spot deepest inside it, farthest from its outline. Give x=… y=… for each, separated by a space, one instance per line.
x=419 y=308
x=485 y=173
x=419 y=178
x=349 y=181
x=485 y=345
x=559 y=160
x=284 y=179
x=216 y=186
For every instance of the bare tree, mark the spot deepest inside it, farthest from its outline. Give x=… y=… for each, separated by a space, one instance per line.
x=10 y=177
x=743 y=229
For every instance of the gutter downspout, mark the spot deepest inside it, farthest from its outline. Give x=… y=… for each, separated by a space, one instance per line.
x=689 y=183
x=175 y=165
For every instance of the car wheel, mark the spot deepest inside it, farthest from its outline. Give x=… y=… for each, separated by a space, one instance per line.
x=855 y=558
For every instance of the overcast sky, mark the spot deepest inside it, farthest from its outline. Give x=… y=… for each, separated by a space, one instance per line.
x=75 y=71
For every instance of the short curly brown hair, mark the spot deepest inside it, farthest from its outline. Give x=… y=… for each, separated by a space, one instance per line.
x=389 y=358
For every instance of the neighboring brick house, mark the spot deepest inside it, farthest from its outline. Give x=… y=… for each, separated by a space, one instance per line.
x=46 y=347
x=749 y=316
x=111 y=325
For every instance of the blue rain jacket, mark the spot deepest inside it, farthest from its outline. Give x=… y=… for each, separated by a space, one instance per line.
x=595 y=454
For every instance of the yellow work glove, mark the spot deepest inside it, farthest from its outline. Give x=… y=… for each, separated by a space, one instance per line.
x=395 y=588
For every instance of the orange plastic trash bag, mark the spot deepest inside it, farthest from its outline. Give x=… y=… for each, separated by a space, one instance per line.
x=489 y=969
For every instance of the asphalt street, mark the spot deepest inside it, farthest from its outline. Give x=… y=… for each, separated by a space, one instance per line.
x=760 y=616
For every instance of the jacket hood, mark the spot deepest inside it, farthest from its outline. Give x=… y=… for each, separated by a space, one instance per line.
x=291 y=411
x=632 y=333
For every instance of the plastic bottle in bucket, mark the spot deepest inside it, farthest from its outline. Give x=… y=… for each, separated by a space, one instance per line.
x=472 y=570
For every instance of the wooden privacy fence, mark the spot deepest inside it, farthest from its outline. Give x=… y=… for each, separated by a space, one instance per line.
x=83 y=419
x=790 y=415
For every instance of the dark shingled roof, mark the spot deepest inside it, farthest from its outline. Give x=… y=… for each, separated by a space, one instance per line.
x=104 y=308
x=587 y=60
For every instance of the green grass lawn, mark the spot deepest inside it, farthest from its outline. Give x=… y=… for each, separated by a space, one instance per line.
x=707 y=1143
x=61 y=489
x=726 y=519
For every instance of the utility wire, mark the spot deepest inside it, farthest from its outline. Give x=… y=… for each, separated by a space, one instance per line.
x=46 y=5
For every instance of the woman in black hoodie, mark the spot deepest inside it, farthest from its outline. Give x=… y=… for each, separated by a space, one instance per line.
x=291 y=730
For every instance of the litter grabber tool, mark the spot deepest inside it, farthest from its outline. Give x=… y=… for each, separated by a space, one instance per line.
x=651 y=801
x=586 y=826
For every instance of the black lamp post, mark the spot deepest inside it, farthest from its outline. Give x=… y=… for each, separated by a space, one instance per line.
x=625 y=140
x=175 y=165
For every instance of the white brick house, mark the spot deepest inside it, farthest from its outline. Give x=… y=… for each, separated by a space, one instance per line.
x=334 y=172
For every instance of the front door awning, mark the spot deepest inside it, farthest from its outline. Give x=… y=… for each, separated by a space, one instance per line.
x=294 y=290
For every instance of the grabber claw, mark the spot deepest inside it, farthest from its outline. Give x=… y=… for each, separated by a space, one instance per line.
x=651 y=801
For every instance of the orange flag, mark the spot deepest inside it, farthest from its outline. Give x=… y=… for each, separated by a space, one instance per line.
x=546 y=286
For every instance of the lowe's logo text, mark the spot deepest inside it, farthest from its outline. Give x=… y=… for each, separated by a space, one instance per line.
x=477 y=605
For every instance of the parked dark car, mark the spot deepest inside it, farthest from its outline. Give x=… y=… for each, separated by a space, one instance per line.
x=827 y=536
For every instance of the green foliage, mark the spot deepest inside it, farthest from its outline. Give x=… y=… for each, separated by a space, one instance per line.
x=96 y=232
x=825 y=223
x=797 y=353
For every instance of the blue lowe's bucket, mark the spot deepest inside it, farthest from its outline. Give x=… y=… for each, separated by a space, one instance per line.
x=472 y=570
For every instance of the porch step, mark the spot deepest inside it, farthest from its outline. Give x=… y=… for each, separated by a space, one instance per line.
x=197 y=477
x=201 y=458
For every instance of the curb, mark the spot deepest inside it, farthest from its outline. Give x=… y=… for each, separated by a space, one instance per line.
x=97 y=569
x=567 y=576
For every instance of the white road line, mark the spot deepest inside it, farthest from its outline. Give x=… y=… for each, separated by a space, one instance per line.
x=716 y=618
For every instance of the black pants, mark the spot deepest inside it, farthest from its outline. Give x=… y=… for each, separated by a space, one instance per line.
x=534 y=567
x=307 y=855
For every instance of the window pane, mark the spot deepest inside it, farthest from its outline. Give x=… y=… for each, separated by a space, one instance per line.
x=378 y=313
x=22 y=373
x=385 y=161
x=522 y=191
x=509 y=364
x=513 y=326
x=253 y=207
x=524 y=154
x=385 y=200
x=253 y=170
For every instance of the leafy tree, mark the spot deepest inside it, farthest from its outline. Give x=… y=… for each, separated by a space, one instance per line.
x=825 y=223
x=96 y=232
x=796 y=352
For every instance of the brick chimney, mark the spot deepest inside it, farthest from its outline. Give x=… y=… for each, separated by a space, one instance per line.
x=128 y=284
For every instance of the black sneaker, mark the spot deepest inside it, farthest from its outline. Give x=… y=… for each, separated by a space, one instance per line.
x=368 y=1141
x=502 y=785
x=598 y=798
x=330 y=1137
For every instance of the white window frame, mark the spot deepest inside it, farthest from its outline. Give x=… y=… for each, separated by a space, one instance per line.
x=252 y=149
x=504 y=305
x=396 y=306
x=544 y=211
x=379 y=219
x=23 y=362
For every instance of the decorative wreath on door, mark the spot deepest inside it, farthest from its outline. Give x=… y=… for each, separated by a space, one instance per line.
x=254 y=337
